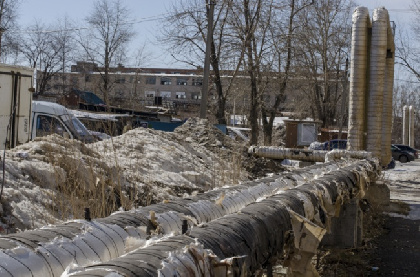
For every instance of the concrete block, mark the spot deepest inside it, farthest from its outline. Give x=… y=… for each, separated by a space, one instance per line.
x=378 y=195
x=347 y=229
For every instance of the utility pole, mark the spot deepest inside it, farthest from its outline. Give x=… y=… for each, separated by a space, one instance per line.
x=204 y=92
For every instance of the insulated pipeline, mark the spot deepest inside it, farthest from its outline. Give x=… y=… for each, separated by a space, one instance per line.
x=406 y=125
x=50 y=250
x=358 y=78
x=412 y=119
x=378 y=54
x=305 y=154
x=387 y=104
x=247 y=241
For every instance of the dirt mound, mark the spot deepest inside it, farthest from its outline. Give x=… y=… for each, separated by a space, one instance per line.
x=201 y=132
x=53 y=178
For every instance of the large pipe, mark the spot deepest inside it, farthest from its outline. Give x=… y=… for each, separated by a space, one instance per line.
x=412 y=119
x=387 y=101
x=49 y=251
x=378 y=53
x=406 y=125
x=358 y=78
x=306 y=155
x=245 y=242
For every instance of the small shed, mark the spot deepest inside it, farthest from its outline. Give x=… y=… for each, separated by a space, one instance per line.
x=329 y=134
x=301 y=133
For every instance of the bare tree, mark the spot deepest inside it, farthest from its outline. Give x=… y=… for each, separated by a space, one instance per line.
x=185 y=35
x=408 y=50
x=46 y=49
x=323 y=43
x=65 y=41
x=282 y=37
x=8 y=16
x=252 y=16
x=110 y=31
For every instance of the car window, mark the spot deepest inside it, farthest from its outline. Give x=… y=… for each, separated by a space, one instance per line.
x=47 y=125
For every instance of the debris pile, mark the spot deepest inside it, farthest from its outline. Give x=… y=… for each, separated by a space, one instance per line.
x=52 y=178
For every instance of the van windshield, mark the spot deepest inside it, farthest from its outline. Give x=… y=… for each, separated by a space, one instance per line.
x=77 y=128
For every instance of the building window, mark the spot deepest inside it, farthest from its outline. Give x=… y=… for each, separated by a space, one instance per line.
x=166 y=81
x=120 y=80
x=181 y=81
x=151 y=80
x=180 y=95
x=87 y=78
x=150 y=94
x=195 y=95
x=165 y=94
x=197 y=82
x=74 y=80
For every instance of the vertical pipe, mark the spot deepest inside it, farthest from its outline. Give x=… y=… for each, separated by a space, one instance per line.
x=358 y=79
x=375 y=97
x=412 y=119
x=387 y=103
x=405 y=125
x=14 y=117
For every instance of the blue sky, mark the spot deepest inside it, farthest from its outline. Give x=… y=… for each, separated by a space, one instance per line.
x=48 y=11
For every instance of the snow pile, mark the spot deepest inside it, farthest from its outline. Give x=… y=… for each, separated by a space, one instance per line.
x=52 y=178
x=46 y=179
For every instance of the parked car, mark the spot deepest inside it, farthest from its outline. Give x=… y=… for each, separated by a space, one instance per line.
x=408 y=149
x=401 y=155
x=335 y=144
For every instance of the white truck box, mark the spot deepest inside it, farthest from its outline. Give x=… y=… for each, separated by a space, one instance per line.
x=16 y=87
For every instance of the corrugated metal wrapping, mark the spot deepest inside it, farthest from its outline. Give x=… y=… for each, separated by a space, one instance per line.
x=48 y=251
x=307 y=155
x=378 y=54
x=358 y=78
x=246 y=241
x=406 y=125
x=412 y=119
x=371 y=85
x=387 y=104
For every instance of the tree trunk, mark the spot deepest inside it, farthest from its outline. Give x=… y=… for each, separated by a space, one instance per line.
x=221 y=99
x=253 y=113
x=268 y=125
x=106 y=78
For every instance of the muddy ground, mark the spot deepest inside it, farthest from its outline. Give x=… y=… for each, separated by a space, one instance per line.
x=391 y=245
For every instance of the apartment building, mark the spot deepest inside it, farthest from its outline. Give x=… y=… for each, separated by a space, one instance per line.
x=136 y=88
x=140 y=86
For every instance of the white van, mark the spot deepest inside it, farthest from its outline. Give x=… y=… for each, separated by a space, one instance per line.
x=48 y=118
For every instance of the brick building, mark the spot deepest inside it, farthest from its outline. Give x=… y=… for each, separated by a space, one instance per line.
x=138 y=86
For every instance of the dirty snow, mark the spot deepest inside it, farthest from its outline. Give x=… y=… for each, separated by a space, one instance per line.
x=52 y=179
x=404 y=185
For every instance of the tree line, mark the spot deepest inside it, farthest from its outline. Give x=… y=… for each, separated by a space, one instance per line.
x=294 y=52
x=300 y=45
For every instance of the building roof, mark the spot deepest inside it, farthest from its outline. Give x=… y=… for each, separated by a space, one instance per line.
x=88 y=97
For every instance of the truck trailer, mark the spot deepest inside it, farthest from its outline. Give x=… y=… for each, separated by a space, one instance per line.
x=22 y=119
